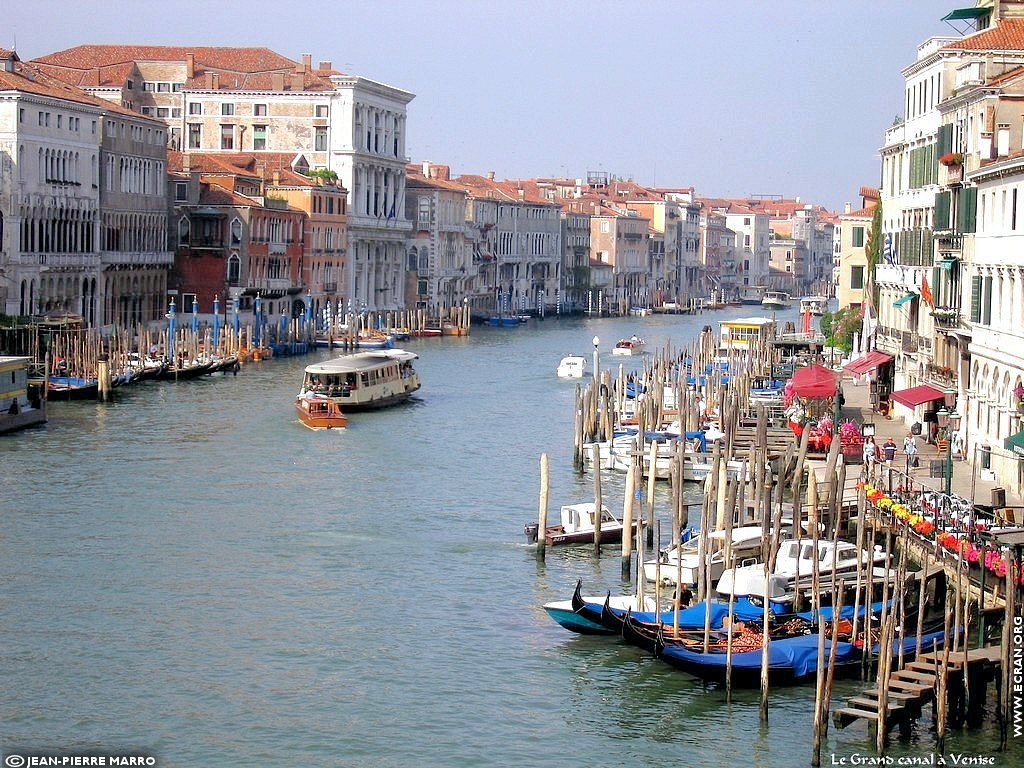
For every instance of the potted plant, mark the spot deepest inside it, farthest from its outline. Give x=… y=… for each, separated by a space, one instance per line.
x=951 y=158
x=1018 y=393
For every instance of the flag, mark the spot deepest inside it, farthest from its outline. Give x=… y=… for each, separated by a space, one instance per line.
x=391 y=213
x=887 y=250
x=926 y=292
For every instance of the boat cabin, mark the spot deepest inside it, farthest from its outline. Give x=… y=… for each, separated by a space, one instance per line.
x=745 y=333
x=364 y=380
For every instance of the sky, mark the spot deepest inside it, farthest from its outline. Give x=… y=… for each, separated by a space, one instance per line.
x=782 y=97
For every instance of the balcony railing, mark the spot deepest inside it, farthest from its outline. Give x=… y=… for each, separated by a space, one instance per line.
x=330 y=287
x=946 y=317
x=909 y=342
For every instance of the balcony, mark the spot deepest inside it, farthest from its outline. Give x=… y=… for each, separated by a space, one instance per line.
x=205 y=243
x=278 y=247
x=946 y=317
x=949 y=241
x=942 y=376
x=330 y=287
x=137 y=258
x=909 y=342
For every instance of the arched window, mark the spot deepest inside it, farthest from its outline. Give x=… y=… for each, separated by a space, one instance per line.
x=234 y=269
x=236 y=232
x=413 y=262
x=183 y=231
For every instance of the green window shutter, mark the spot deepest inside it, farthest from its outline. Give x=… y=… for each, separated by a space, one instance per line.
x=986 y=302
x=969 y=207
x=945 y=140
x=976 y=299
x=858 y=237
x=942 y=211
x=937 y=286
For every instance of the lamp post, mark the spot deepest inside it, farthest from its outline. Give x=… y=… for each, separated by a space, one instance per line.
x=596 y=342
x=949 y=420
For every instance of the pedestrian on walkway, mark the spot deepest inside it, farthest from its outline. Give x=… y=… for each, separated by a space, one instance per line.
x=910 y=448
x=870 y=456
x=889 y=451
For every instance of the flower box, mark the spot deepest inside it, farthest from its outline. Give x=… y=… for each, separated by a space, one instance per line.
x=951 y=158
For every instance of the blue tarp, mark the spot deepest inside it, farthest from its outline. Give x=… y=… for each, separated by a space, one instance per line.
x=698 y=435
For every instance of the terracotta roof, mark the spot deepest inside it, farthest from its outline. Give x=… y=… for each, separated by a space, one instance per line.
x=1007 y=35
x=250 y=68
x=1006 y=76
x=863 y=213
x=28 y=79
x=250 y=164
x=507 y=191
x=416 y=180
x=215 y=194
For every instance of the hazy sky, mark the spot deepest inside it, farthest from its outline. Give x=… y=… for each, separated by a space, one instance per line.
x=786 y=97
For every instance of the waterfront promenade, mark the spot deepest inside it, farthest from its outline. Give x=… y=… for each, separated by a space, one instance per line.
x=858 y=409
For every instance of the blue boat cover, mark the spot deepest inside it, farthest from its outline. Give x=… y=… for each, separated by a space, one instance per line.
x=698 y=435
x=845 y=613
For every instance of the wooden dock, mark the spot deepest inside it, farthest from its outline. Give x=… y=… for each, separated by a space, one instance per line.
x=914 y=686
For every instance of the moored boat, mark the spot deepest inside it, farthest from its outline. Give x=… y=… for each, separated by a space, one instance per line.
x=319 y=412
x=364 y=380
x=816 y=305
x=577 y=523
x=18 y=411
x=373 y=339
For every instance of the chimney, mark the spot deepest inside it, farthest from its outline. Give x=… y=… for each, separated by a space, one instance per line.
x=442 y=172
x=214 y=81
x=847 y=208
x=276 y=177
x=426 y=168
x=490 y=175
x=190 y=65
x=307 y=62
x=277 y=81
x=326 y=66
x=298 y=82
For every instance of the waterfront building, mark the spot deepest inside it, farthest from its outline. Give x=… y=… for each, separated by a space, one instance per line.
x=789 y=261
x=232 y=239
x=752 y=238
x=721 y=270
x=576 y=270
x=522 y=230
x=216 y=99
x=82 y=205
x=440 y=268
x=619 y=238
x=852 y=271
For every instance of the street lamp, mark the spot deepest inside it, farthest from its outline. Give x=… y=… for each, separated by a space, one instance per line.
x=948 y=420
x=596 y=342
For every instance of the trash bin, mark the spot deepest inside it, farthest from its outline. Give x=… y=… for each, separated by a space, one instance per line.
x=998 y=498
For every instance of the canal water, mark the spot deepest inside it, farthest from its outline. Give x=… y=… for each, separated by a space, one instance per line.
x=190 y=573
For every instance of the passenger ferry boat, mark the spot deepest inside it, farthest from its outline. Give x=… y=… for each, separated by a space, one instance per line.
x=745 y=333
x=319 y=412
x=816 y=305
x=776 y=300
x=17 y=410
x=364 y=380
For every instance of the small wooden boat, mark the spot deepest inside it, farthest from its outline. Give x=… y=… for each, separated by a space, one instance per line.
x=577 y=527
x=373 y=340
x=634 y=345
x=319 y=412
x=72 y=388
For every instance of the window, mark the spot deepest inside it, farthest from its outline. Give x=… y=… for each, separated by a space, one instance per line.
x=227 y=136
x=60 y=121
x=163 y=111
x=176 y=87
x=260 y=110
x=858 y=237
x=175 y=111
x=183 y=232
x=236 y=232
x=195 y=108
x=21 y=115
x=320 y=144
x=234 y=269
x=227 y=109
x=195 y=135
x=259 y=137
x=180 y=191
x=129 y=84
x=147 y=110
x=147 y=86
x=856 y=278
x=746 y=222
x=322 y=110
x=163 y=87
x=606 y=227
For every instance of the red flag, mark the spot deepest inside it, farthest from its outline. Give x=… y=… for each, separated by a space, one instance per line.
x=926 y=292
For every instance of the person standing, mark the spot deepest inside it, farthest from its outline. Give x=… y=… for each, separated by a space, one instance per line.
x=889 y=451
x=870 y=456
x=910 y=448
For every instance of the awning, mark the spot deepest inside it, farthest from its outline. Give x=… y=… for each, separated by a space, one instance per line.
x=904 y=300
x=946 y=263
x=916 y=395
x=868 y=362
x=966 y=13
x=1015 y=444
x=815 y=381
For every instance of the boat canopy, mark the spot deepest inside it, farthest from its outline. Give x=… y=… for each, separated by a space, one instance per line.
x=362 y=361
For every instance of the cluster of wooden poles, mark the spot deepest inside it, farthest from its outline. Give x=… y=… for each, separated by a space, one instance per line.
x=726 y=492
x=345 y=329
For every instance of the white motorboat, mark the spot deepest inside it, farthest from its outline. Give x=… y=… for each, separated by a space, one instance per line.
x=634 y=345
x=364 y=380
x=572 y=367
x=795 y=560
x=684 y=559
x=816 y=305
x=776 y=300
x=576 y=526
